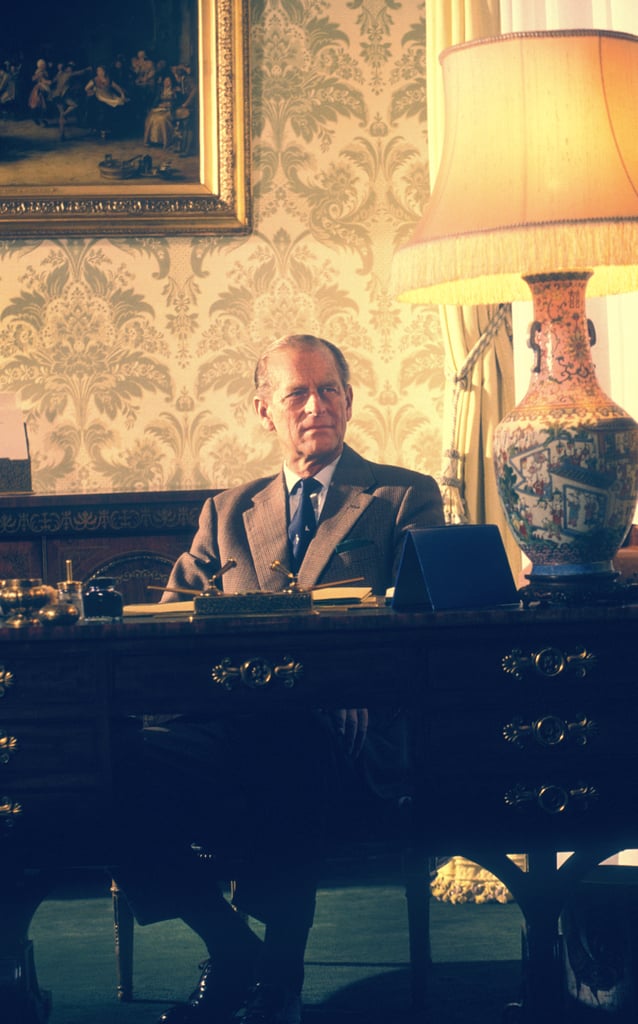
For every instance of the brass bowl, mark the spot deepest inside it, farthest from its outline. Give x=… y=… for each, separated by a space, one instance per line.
x=21 y=601
x=58 y=614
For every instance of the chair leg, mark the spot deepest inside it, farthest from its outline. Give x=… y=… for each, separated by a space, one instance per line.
x=417 y=893
x=123 y=922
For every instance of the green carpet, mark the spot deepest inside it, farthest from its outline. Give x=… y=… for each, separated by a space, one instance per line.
x=357 y=960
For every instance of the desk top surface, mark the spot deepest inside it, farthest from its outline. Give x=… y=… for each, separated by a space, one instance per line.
x=380 y=620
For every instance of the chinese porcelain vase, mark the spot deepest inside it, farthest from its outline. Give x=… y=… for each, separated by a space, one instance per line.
x=566 y=457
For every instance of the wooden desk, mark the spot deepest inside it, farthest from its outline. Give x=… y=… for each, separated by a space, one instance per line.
x=523 y=740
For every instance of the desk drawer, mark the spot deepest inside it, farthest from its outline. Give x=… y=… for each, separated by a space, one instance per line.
x=521 y=664
x=32 y=680
x=535 y=731
x=49 y=753
x=67 y=826
x=527 y=808
x=230 y=675
x=54 y=788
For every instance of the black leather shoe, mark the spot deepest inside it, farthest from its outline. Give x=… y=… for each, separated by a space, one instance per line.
x=270 y=1004
x=218 y=995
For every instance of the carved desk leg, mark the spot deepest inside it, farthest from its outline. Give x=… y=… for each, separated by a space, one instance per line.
x=21 y=998
x=542 y=965
x=416 y=873
x=123 y=923
x=541 y=893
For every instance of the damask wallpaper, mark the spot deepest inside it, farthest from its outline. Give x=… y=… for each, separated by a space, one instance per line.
x=132 y=359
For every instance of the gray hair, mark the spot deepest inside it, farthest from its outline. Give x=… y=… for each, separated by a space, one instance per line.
x=297 y=341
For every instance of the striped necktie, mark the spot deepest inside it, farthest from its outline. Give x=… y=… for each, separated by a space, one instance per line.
x=303 y=523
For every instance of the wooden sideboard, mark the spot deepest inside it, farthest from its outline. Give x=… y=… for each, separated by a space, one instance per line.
x=522 y=740
x=134 y=537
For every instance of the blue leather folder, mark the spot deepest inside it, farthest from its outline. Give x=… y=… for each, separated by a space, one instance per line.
x=449 y=567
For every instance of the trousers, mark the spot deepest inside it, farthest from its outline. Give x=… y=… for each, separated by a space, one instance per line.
x=254 y=799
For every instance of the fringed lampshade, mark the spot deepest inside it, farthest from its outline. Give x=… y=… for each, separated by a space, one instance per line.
x=539 y=171
x=538 y=188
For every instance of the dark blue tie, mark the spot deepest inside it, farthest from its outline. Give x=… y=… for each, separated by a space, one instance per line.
x=303 y=524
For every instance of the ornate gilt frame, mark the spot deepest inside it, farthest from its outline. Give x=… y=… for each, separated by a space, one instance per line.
x=219 y=203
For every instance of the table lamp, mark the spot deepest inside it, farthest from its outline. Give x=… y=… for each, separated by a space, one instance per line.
x=538 y=191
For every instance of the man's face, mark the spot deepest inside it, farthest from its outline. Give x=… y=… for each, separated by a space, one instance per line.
x=307 y=407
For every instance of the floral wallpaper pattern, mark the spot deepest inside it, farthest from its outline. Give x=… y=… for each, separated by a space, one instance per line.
x=133 y=359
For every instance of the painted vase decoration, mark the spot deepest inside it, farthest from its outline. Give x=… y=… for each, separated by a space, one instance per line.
x=566 y=457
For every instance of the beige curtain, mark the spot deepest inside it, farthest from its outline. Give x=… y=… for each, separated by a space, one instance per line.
x=480 y=367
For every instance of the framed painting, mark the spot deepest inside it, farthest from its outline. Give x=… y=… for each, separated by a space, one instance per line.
x=126 y=118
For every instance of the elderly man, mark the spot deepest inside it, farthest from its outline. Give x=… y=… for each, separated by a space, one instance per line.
x=327 y=515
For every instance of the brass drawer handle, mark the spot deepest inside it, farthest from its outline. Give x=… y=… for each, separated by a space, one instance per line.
x=9 y=811
x=8 y=746
x=256 y=673
x=548 y=662
x=6 y=680
x=552 y=798
x=550 y=731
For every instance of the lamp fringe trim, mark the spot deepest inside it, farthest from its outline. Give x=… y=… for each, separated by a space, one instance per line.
x=477 y=269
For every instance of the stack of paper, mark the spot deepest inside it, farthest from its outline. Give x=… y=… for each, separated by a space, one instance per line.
x=341 y=595
x=170 y=608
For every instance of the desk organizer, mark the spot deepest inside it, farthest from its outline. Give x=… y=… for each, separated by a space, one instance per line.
x=257 y=603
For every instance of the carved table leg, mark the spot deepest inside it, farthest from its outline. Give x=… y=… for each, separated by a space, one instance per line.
x=21 y=998
x=541 y=893
x=543 y=990
x=416 y=873
x=123 y=922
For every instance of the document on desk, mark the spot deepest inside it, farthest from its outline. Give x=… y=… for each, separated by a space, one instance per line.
x=350 y=596
x=174 y=608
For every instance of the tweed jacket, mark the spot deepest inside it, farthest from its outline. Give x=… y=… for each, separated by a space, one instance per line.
x=368 y=509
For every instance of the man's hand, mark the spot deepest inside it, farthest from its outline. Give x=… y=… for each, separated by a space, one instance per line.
x=352 y=724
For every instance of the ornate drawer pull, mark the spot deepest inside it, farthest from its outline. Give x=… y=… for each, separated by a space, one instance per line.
x=8 y=746
x=256 y=673
x=548 y=662
x=550 y=731
x=9 y=811
x=552 y=799
x=6 y=680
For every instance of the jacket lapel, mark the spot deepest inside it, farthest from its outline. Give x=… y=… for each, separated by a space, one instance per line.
x=265 y=522
x=265 y=525
x=346 y=501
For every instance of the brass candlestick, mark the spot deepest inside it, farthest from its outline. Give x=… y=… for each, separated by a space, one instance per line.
x=70 y=598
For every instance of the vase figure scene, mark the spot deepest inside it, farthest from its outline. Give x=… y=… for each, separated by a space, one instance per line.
x=566 y=458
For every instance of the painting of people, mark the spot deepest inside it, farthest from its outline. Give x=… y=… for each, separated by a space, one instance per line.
x=99 y=93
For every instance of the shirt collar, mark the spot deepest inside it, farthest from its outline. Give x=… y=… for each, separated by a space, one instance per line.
x=324 y=476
